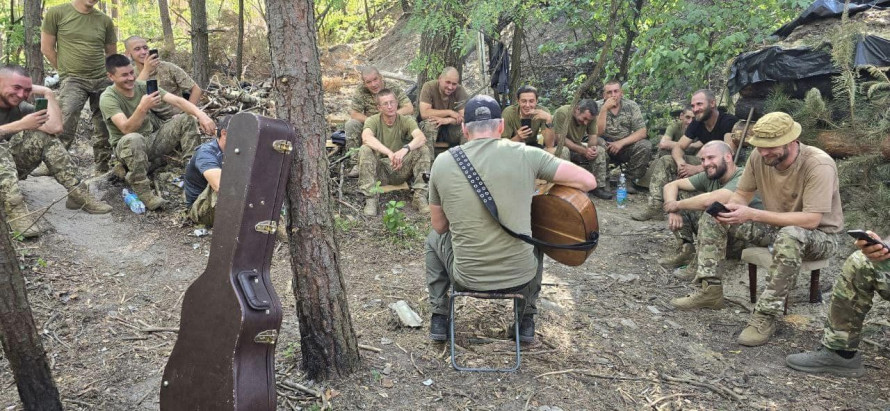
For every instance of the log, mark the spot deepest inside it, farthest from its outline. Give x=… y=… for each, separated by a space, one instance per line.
x=885 y=148
x=395 y=76
x=838 y=144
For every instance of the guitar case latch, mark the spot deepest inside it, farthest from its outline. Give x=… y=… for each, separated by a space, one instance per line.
x=266 y=337
x=267 y=227
x=283 y=146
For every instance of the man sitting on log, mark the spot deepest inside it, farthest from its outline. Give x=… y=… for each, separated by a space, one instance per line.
x=525 y=121
x=393 y=150
x=573 y=126
x=25 y=140
x=139 y=139
x=467 y=247
x=709 y=125
x=170 y=77
x=620 y=123
x=364 y=105
x=441 y=108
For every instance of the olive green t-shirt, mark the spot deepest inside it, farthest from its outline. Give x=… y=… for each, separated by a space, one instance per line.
x=111 y=103
x=8 y=115
x=701 y=182
x=810 y=185
x=512 y=124
x=394 y=136
x=80 y=40
x=366 y=103
x=173 y=79
x=485 y=256
x=564 y=124
x=430 y=94
x=674 y=131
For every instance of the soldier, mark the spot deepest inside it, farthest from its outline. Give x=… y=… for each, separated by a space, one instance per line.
x=364 y=105
x=393 y=150
x=865 y=272
x=675 y=131
x=716 y=183
x=139 y=138
x=709 y=125
x=525 y=121
x=573 y=126
x=170 y=77
x=621 y=125
x=202 y=175
x=441 y=104
x=801 y=218
x=26 y=141
x=75 y=38
x=467 y=247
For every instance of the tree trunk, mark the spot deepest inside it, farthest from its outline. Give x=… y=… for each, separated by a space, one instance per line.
x=605 y=52
x=327 y=339
x=167 y=27
x=200 y=44
x=438 y=47
x=239 y=53
x=516 y=60
x=21 y=342
x=33 y=56
x=368 y=21
x=115 y=16
x=631 y=32
x=406 y=5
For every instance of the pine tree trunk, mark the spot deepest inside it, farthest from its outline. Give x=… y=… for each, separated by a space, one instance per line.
x=327 y=339
x=167 y=27
x=516 y=60
x=115 y=15
x=239 y=53
x=438 y=48
x=21 y=342
x=33 y=56
x=200 y=44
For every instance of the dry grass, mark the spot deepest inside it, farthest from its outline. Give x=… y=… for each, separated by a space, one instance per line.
x=332 y=84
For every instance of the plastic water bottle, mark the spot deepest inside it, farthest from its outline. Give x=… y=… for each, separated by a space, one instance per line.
x=133 y=201
x=621 y=194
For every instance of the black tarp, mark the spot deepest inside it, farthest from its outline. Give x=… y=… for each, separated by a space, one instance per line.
x=874 y=51
x=821 y=9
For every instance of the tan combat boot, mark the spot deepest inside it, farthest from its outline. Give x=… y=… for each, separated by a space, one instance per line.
x=41 y=171
x=686 y=273
x=421 y=205
x=148 y=197
x=760 y=328
x=370 y=206
x=19 y=220
x=353 y=172
x=652 y=212
x=80 y=199
x=708 y=296
x=683 y=257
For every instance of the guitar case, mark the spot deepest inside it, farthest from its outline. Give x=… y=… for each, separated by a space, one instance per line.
x=224 y=356
x=564 y=215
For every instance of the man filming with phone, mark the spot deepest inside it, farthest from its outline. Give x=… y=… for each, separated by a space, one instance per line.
x=26 y=140
x=801 y=219
x=171 y=78
x=525 y=121
x=140 y=140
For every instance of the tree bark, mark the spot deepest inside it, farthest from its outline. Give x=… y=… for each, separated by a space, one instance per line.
x=838 y=144
x=166 y=27
x=200 y=43
x=438 y=46
x=115 y=15
x=33 y=56
x=516 y=59
x=368 y=21
x=239 y=53
x=605 y=52
x=631 y=30
x=328 y=342
x=18 y=333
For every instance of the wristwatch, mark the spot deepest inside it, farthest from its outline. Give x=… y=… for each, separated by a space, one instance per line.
x=407 y=147
x=548 y=125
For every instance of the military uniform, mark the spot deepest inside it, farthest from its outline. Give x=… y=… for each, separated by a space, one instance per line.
x=430 y=94
x=566 y=127
x=174 y=80
x=618 y=126
x=80 y=46
x=366 y=103
x=851 y=300
x=374 y=166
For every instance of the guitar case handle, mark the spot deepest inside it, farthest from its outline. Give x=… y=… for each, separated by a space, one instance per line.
x=254 y=290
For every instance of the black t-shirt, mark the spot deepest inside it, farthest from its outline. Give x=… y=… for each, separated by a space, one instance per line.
x=698 y=132
x=207 y=156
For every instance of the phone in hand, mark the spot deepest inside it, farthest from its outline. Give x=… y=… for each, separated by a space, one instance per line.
x=716 y=208
x=151 y=86
x=525 y=122
x=862 y=235
x=153 y=52
x=40 y=104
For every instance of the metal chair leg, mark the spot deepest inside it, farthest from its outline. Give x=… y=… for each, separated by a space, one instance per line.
x=488 y=296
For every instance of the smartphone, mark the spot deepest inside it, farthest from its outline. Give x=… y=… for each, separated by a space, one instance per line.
x=153 y=51
x=716 y=208
x=862 y=235
x=40 y=104
x=151 y=86
x=525 y=122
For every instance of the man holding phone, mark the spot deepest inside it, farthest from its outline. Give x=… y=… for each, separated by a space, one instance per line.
x=525 y=121
x=26 y=140
x=75 y=38
x=865 y=273
x=170 y=77
x=801 y=219
x=139 y=138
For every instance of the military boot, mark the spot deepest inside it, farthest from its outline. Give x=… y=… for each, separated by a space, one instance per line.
x=80 y=199
x=708 y=296
x=118 y=172
x=685 y=256
x=651 y=212
x=760 y=328
x=824 y=360
x=19 y=220
x=41 y=171
x=686 y=273
x=370 y=206
x=420 y=204
x=353 y=172
x=143 y=191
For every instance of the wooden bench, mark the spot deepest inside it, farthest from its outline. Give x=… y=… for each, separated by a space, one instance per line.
x=761 y=257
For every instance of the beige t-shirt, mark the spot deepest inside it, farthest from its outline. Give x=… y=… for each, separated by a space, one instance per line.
x=809 y=185
x=394 y=136
x=80 y=40
x=430 y=94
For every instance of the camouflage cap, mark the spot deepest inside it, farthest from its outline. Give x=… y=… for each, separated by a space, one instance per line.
x=774 y=130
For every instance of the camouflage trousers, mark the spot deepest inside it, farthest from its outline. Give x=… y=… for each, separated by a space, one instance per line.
x=851 y=299
x=142 y=154
x=439 y=276
x=353 y=130
x=202 y=210
x=664 y=170
x=23 y=153
x=688 y=232
x=73 y=94
x=791 y=245
x=598 y=166
x=453 y=134
x=373 y=167
x=636 y=157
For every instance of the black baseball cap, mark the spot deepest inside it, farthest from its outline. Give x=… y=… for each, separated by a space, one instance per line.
x=481 y=108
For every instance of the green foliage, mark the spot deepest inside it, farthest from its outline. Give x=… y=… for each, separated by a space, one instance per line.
x=344 y=224
x=290 y=351
x=345 y=21
x=393 y=217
